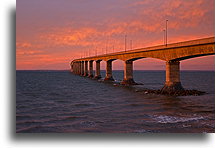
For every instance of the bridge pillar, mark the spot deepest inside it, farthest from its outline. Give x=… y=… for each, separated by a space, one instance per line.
x=76 y=69
x=79 y=68
x=98 y=74
x=109 y=76
x=173 y=82
x=128 y=73
x=82 y=68
x=71 y=67
x=86 y=68
x=90 y=69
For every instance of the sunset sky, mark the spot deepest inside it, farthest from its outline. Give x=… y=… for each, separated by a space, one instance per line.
x=51 y=33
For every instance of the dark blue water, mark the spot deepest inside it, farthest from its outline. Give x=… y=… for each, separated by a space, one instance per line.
x=59 y=101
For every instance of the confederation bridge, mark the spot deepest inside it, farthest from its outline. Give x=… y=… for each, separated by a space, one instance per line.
x=171 y=53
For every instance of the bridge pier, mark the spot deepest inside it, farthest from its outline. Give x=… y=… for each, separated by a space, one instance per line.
x=82 y=68
x=173 y=82
x=98 y=74
x=109 y=76
x=75 y=67
x=90 y=69
x=86 y=68
x=79 y=68
x=128 y=73
x=71 y=66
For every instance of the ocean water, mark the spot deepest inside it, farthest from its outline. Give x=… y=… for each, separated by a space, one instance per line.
x=61 y=102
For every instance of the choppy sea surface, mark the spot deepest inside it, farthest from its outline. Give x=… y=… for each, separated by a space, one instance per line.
x=61 y=102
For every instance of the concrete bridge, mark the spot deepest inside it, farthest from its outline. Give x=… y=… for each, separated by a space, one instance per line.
x=172 y=54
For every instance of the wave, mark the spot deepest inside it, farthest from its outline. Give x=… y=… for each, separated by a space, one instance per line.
x=83 y=104
x=88 y=124
x=173 y=119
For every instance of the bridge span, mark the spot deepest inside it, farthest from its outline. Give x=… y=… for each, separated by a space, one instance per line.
x=172 y=54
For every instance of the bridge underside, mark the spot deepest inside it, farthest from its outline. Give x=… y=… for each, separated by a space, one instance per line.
x=193 y=56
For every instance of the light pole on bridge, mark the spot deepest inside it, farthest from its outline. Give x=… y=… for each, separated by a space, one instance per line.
x=131 y=44
x=125 y=41
x=166 y=31
x=89 y=52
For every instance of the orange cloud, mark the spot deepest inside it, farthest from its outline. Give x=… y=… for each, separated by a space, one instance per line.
x=181 y=13
x=70 y=37
x=42 y=61
x=21 y=52
x=26 y=48
x=23 y=45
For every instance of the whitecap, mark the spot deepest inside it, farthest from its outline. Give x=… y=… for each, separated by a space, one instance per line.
x=173 y=119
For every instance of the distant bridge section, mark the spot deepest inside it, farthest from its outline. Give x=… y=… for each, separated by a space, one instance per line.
x=172 y=54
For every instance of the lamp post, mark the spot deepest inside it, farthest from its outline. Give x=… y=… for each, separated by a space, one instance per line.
x=107 y=45
x=125 y=41
x=96 y=51
x=89 y=52
x=131 y=44
x=166 y=31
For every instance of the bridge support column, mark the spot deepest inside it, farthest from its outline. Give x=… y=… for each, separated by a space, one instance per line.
x=79 y=68
x=98 y=74
x=82 y=68
x=90 y=69
x=109 y=76
x=86 y=68
x=71 y=65
x=128 y=73
x=76 y=68
x=173 y=82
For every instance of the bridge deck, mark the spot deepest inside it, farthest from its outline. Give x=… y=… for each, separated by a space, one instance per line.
x=204 y=41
